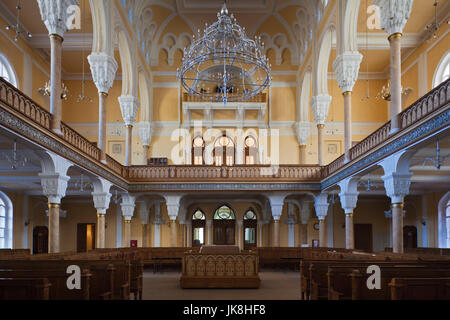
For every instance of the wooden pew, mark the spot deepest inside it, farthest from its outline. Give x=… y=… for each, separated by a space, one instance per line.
x=24 y=289
x=420 y=288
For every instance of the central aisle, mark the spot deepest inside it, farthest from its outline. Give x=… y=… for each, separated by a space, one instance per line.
x=275 y=285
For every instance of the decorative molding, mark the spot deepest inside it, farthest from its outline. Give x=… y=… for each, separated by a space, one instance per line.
x=55 y=15
x=346 y=67
x=145 y=132
x=129 y=106
x=303 y=130
x=394 y=14
x=319 y=106
x=103 y=70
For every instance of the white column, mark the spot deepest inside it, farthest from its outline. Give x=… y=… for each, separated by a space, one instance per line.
x=209 y=240
x=319 y=106
x=103 y=70
x=54 y=181
x=349 y=198
x=55 y=18
x=321 y=207
x=276 y=204
x=118 y=227
x=129 y=106
x=144 y=208
x=291 y=221
x=145 y=132
x=397 y=180
x=173 y=206
x=394 y=15
x=346 y=67
x=157 y=222
x=303 y=130
x=101 y=196
x=240 y=234
x=127 y=205
x=305 y=215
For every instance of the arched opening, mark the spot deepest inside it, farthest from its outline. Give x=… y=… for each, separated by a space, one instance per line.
x=224 y=151
x=251 y=151
x=198 y=228
x=250 y=227
x=6 y=222
x=40 y=239
x=224 y=225
x=409 y=237
x=442 y=72
x=198 y=149
x=7 y=71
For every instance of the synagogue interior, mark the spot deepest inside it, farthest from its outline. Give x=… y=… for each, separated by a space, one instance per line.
x=200 y=147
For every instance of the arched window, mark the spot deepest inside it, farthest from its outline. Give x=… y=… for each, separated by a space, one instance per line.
x=442 y=71
x=6 y=71
x=224 y=151
x=6 y=226
x=250 y=224
x=198 y=228
x=198 y=149
x=251 y=150
x=224 y=213
x=224 y=226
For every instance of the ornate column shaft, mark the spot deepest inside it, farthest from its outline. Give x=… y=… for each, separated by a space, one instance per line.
x=346 y=68
x=129 y=106
x=173 y=206
x=349 y=198
x=321 y=207
x=319 y=106
x=54 y=15
x=103 y=70
x=240 y=235
x=101 y=203
x=209 y=239
x=145 y=132
x=394 y=15
x=303 y=130
x=276 y=205
x=127 y=206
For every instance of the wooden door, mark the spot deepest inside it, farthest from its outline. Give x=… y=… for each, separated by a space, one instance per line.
x=40 y=239
x=363 y=237
x=85 y=237
x=224 y=232
x=409 y=237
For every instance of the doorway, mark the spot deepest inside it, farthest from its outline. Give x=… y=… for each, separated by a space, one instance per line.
x=409 y=237
x=250 y=227
x=363 y=237
x=40 y=239
x=85 y=237
x=224 y=225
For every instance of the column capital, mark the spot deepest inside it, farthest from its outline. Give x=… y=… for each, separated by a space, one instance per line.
x=346 y=67
x=208 y=223
x=145 y=132
x=129 y=106
x=239 y=223
x=173 y=205
x=54 y=186
x=319 y=107
x=103 y=70
x=127 y=205
x=321 y=205
x=276 y=204
x=303 y=130
x=397 y=186
x=394 y=14
x=55 y=14
x=101 y=201
x=349 y=194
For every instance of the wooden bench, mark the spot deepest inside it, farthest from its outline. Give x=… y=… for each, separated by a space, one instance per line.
x=420 y=288
x=24 y=289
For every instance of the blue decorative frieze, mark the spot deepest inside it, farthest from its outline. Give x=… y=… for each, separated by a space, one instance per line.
x=28 y=131
x=226 y=187
x=440 y=121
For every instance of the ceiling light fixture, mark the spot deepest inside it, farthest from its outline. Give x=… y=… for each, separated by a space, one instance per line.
x=16 y=28
x=223 y=64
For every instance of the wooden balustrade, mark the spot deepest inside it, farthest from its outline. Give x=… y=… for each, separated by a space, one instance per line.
x=114 y=165
x=260 y=97
x=238 y=172
x=435 y=99
x=80 y=142
x=15 y=99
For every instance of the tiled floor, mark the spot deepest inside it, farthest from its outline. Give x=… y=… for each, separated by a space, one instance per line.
x=275 y=285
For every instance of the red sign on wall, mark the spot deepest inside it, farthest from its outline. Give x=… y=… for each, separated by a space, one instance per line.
x=133 y=243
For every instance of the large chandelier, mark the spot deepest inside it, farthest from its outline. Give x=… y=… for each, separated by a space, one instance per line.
x=223 y=64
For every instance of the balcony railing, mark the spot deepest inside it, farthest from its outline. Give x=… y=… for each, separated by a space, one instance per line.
x=231 y=173
x=432 y=101
x=259 y=98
